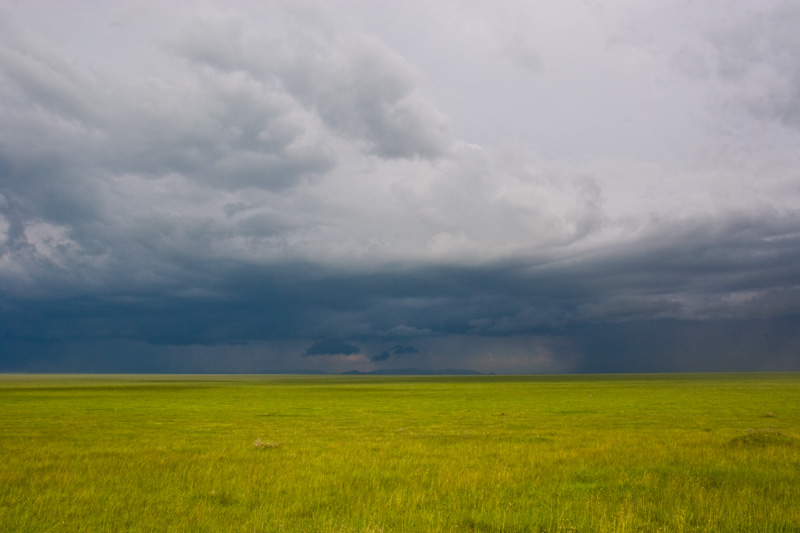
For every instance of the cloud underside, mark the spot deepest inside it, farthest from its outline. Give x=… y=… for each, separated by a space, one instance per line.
x=295 y=182
x=332 y=347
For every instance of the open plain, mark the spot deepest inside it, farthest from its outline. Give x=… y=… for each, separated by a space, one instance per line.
x=693 y=452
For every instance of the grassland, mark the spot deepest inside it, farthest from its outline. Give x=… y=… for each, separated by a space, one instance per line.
x=333 y=453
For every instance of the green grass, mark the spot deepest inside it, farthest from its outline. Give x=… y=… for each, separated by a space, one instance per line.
x=361 y=453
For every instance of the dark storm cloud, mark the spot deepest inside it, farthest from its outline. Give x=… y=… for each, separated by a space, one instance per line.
x=331 y=347
x=616 y=310
x=383 y=356
x=689 y=345
x=398 y=350
x=247 y=190
x=404 y=350
x=702 y=271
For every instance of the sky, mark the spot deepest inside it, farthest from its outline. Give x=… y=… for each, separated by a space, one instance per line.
x=506 y=187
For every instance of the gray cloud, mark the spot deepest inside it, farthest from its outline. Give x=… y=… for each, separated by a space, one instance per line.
x=358 y=87
x=249 y=183
x=374 y=99
x=227 y=130
x=523 y=54
x=755 y=53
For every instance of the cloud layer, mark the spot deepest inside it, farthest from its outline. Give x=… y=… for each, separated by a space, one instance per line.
x=534 y=188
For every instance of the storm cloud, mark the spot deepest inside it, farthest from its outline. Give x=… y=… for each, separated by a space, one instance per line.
x=395 y=351
x=286 y=186
x=331 y=347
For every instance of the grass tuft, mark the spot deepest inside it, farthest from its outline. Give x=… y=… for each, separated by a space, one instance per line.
x=264 y=444
x=764 y=437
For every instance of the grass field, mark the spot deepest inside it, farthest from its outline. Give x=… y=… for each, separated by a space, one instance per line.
x=334 y=453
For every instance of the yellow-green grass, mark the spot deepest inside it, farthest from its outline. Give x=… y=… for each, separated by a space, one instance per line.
x=714 y=452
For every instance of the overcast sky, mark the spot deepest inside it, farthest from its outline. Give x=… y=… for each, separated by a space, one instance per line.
x=510 y=186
